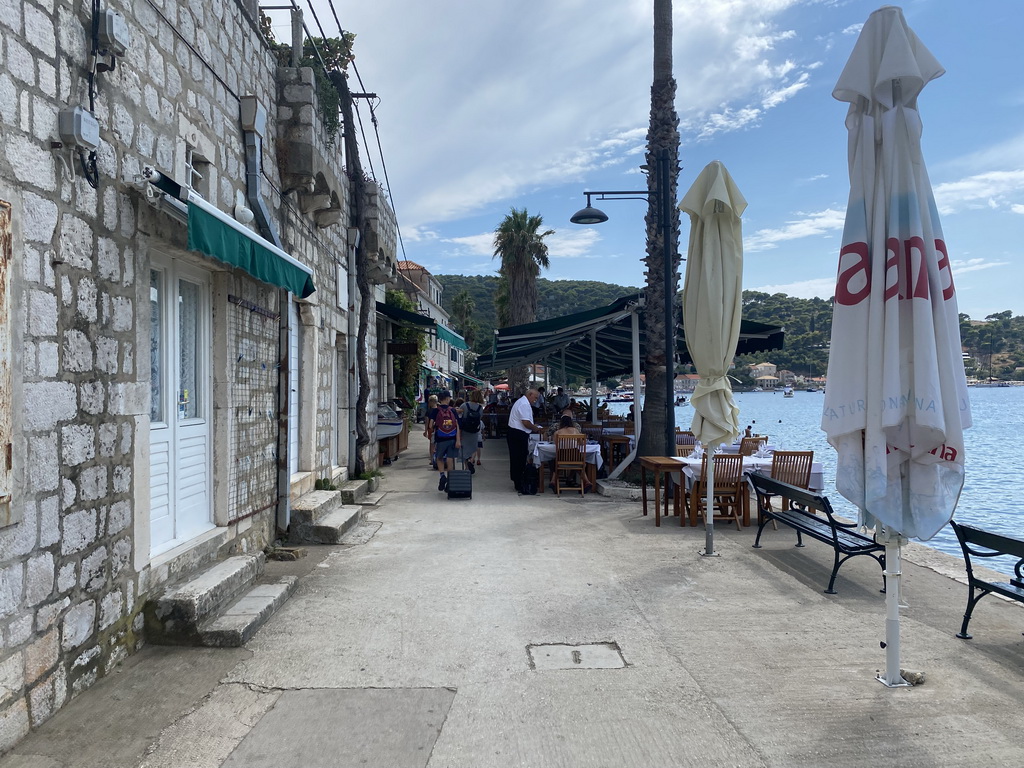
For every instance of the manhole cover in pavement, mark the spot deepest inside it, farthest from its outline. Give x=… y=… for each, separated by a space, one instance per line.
x=588 y=656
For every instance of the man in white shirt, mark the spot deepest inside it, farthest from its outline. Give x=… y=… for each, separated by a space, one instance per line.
x=520 y=427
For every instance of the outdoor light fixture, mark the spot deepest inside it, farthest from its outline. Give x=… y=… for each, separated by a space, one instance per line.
x=591 y=215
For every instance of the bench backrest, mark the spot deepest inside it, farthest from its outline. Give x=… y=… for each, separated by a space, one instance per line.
x=993 y=544
x=769 y=486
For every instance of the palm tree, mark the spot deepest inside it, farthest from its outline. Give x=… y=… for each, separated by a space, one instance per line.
x=520 y=245
x=662 y=139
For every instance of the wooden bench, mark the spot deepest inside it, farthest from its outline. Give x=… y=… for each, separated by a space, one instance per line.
x=991 y=545
x=841 y=536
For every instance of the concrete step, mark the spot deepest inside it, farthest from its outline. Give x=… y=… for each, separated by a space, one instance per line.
x=330 y=528
x=311 y=506
x=354 y=490
x=240 y=620
x=175 y=614
x=372 y=499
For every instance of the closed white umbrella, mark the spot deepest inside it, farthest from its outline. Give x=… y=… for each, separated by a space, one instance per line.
x=896 y=402
x=712 y=306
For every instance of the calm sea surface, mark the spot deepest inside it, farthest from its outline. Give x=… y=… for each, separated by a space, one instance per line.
x=995 y=453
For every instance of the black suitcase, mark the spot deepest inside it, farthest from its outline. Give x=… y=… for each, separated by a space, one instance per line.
x=460 y=484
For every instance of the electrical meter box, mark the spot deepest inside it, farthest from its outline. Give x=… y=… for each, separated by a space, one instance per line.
x=79 y=127
x=113 y=33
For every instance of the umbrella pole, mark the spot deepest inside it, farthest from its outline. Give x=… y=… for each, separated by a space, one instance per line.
x=709 y=510
x=893 y=571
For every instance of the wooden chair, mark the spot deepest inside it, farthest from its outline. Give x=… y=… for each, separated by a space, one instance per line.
x=684 y=450
x=730 y=489
x=629 y=427
x=685 y=437
x=751 y=445
x=793 y=467
x=570 y=457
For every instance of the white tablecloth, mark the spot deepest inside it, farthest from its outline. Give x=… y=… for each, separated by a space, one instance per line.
x=546 y=452
x=691 y=468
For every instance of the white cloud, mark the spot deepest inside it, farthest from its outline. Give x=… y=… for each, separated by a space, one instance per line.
x=964 y=266
x=853 y=29
x=822 y=288
x=811 y=225
x=572 y=244
x=477 y=245
x=1017 y=208
x=981 y=190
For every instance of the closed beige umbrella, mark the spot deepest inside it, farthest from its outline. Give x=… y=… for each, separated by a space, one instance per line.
x=712 y=307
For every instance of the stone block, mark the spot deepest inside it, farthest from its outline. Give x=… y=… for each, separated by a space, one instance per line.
x=40 y=32
x=108 y=255
x=39 y=578
x=47 y=79
x=93 y=573
x=119 y=517
x=41 y=702
x=75 y=246
x=20 y=62
x=41 y=656
x=111 y=609
x=68 y=494
x=77 y=351
x=14 y=724
x=18 y=631
x=44 y=117
x=122 y=315
x=78 y=443
x=66 y=577
x=42 y=313
x=80 y=531
x=108 y=439
x=47 y=403
x=8 y=96
x=93 y=484
x=93 y=396
x=43 y=465
x=79 y=624
x=39 y=218
x=12 y=677
x=47 y=615
x=121 y=556
x=47 y=359
x=12 y=580
x=49 y=521
x=122 y=479
x=86 y=300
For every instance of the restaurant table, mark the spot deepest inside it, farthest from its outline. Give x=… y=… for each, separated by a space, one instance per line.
x=545 y=452
x=692 y=466
x=660 y=466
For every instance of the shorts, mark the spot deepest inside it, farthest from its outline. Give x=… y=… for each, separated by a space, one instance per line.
x=444 y=448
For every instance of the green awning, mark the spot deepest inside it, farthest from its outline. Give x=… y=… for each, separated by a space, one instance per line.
x=234 y=244
x=472 y=379
x=405 y=318
x=446 y=334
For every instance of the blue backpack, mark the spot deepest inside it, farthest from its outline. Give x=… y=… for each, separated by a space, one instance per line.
x=446 y=425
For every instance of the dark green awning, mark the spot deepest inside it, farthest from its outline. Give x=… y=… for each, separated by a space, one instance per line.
x=405 y=318
x=446 y=334
x=246 y=250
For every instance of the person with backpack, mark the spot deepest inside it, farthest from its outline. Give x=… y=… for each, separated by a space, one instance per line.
x=471 y=424
x=444 y=422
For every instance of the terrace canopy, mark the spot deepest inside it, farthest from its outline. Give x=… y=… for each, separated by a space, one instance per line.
x=568 y=339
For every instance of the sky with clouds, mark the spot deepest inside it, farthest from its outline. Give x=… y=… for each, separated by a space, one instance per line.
x=484 y=106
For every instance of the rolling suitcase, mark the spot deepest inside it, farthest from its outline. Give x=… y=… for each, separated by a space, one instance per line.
x=460 y=484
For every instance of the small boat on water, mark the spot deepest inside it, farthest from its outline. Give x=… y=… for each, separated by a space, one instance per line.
x=787 y=392
x=620 y=396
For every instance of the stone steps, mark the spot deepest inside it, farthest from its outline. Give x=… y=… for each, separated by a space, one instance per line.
x=372 y=499
x=222 y=605
x=322 y=517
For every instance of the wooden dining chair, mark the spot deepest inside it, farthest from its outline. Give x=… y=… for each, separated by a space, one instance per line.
x=684 y=450
x=685 y=437
x=729 y=492
x=751 y=445
x=629 y=427
x=793 y=467
x=570 y=460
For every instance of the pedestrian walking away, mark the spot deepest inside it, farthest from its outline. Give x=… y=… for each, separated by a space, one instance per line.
x=471 y=422
x=447 y=437
x=520 y=427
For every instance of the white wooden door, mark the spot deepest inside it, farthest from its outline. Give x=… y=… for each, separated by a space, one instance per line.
x=179 y=436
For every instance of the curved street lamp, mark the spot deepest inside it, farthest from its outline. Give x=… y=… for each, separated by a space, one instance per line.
x=591 y=215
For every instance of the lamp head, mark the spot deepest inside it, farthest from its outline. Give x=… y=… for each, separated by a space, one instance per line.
x=589 y=215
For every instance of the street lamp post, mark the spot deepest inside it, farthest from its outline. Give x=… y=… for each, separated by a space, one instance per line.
x=591 y=215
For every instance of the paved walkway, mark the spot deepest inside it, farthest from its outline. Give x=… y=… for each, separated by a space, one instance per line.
x=419 y=647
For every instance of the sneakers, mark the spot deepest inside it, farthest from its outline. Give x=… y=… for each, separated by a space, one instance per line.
x=470 y=467
x=442 y=483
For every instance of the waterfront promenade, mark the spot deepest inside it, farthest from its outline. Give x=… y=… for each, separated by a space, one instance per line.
x=415 y=645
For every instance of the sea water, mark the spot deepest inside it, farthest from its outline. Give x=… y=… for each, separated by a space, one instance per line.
x=994 y=454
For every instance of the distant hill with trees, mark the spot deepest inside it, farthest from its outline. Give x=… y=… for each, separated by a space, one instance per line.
x=994 y=345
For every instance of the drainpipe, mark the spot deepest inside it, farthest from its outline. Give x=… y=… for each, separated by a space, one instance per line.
x=354 y=236
x=253 y=117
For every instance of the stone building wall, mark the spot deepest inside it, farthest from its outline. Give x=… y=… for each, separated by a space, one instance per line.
x=75 y=564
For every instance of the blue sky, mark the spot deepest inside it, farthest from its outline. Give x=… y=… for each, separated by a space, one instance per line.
x=484 y=106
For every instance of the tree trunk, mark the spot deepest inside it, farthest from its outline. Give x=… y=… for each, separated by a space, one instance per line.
x=662 y=136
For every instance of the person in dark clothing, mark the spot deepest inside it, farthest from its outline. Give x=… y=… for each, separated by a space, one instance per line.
x=520 y=427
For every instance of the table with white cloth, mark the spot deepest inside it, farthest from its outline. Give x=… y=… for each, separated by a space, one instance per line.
x=735 y=448
x=692 y=467
x=545 y=452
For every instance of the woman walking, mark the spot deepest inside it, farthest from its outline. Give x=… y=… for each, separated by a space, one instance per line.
x=471 y=417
